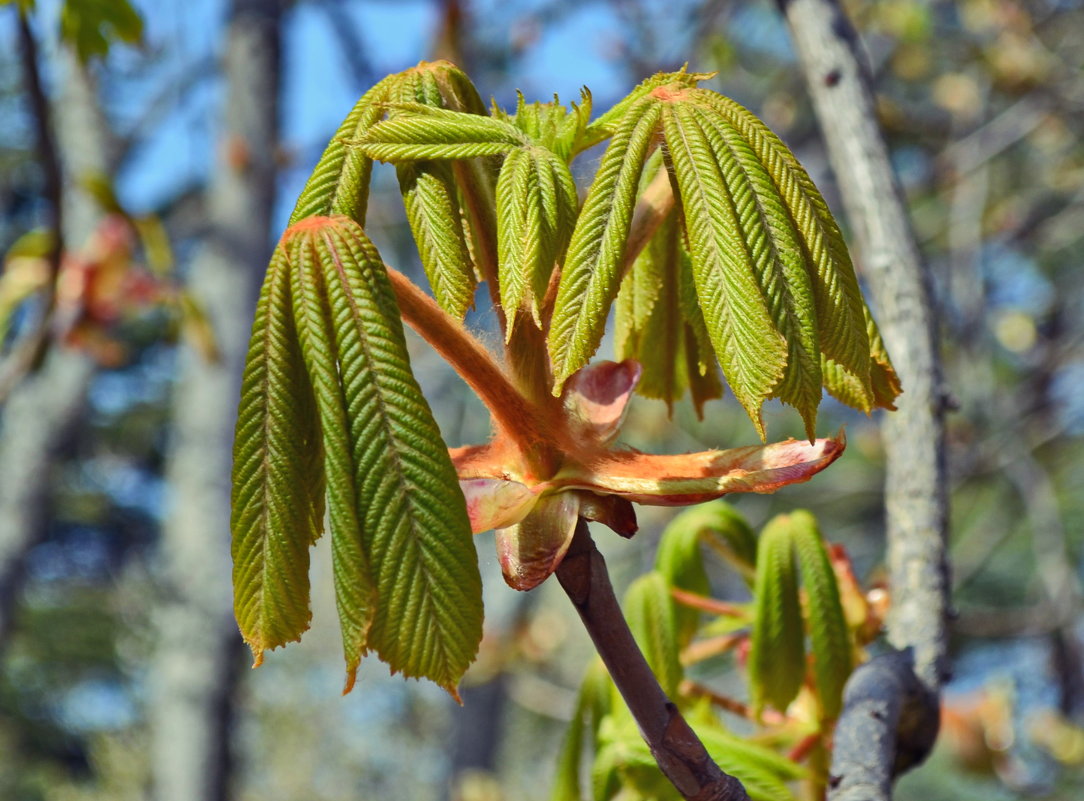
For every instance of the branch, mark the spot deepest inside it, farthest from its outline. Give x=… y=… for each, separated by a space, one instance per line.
x=888 y=724
x=675 y=746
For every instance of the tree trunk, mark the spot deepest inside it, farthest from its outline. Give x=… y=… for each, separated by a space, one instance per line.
x=196 y=667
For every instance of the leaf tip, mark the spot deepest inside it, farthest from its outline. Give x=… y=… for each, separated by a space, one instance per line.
x=453 y=690
x=351 y=679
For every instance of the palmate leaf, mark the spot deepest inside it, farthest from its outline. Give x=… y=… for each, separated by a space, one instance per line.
x=407 y=581
x=339 y=184
x=777 y=657
x=609 y=122
x=593 y=267
x=354 y=590
x=777 y=262
x=751 y=350
x=536 y=209
x=839 y=305
x=431 y=199
x=278 y=480
x=433 y=211
x=829 y=638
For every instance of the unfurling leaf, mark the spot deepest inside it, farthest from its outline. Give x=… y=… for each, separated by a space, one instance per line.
x=432 y=206
x=536 y=209
x=340 y=182
x=829 y=638
x=424 y=133
x=777 y=658
x=278 y=476
x=406 y=575
x=594 y=265
x=752 y=352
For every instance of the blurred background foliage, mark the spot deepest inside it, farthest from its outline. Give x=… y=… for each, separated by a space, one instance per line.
x=983 y=105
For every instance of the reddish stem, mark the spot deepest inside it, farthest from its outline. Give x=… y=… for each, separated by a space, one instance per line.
x=516 y=418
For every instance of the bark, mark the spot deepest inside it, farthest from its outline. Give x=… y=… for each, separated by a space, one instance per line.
x=198 y=652
x=673 y=743
x=915 y=489
x=45 y=405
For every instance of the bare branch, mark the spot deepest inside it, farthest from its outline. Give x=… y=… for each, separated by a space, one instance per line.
x=888 y=724
x=675 y=746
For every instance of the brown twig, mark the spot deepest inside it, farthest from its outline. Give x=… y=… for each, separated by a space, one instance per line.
x=710 y=605
x=732 y=705
x=675 y=746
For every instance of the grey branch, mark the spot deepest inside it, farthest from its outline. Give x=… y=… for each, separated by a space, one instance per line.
x=889 y=723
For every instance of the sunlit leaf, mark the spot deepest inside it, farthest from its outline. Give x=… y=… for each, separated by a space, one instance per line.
x=278 y=477
x=536 y=209
x=432 y=206
x=752 y=352
x=594 y=265
x=414 y=528
x=419 y=132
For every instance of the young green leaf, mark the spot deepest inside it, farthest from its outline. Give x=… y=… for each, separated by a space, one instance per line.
x=278 y=478
x=418 y=132
x=607 y=124
x=776 y=259
x=595 y=265
x=839 y=306
x=680 y=562
x=749 y=346
x=762 y=772
x=829 y=638
x=650 y=612
x=339 y=183
x=414 y=526
x=592 y=704
x=314 y=318
x=536 y=209
x=777 y=657
x=433 y=211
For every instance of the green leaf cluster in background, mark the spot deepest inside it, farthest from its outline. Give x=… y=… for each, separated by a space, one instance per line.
x=777 y=661
x=788 y=554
